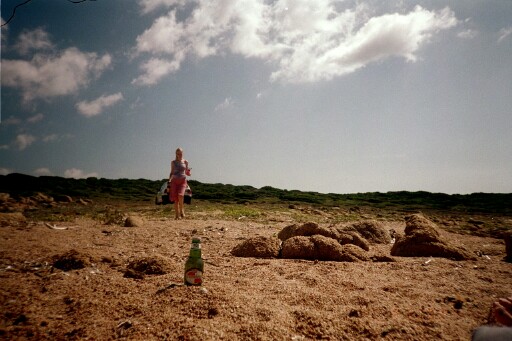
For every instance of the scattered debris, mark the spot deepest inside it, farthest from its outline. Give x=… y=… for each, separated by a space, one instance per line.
x=457 y=301
x=382 y=259
x=169 y=286
x=428 y=261
x=55 y=227
x=122 y=327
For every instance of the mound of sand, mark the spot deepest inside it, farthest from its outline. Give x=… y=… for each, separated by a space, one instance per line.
x=310 y=229
x=307 y=241
x=354 y=238
x=153 y=265
x=318 y=247
x=261 y=247
x=307 y=229
x=133 y=221
x=13 y=219
x=422 y=239
x=372 y=230
x=71 y=260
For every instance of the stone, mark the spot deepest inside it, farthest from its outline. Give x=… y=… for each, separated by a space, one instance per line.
x=133 y=221
x=63 y=198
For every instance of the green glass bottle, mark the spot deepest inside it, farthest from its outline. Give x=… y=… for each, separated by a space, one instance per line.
x=194 y=266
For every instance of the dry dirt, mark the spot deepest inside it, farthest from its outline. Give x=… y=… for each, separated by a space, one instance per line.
x=94 y=281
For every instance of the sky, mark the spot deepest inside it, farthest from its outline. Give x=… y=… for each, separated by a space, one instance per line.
x=330 y=96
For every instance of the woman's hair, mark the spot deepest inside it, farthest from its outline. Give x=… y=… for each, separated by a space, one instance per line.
x=179 y=149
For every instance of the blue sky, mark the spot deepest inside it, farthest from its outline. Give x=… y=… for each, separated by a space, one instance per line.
x=324 y=95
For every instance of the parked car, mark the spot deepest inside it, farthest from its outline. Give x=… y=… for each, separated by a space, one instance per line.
x=162 y=196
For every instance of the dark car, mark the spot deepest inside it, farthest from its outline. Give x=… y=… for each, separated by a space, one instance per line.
x=162 y=196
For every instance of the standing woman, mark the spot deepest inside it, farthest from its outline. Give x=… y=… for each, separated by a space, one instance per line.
x=178 y=182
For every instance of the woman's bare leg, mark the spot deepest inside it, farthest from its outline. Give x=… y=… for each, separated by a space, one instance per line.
x=182 y=209
x=176 y=210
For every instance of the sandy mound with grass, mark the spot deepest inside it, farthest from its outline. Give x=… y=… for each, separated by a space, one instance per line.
x=260 y=247
x=422 y=239
x=371 y=230
x=318 y=247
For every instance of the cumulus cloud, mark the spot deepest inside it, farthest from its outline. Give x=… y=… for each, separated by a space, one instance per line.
x=52 y=73
x=79 y=174
x=97 y=106
x=36 y=118
x=305 y=40
x=150 y=5
x=155 y=69
x=11 y=120
x=43 y=172
x=227 y=103
x=49 y=138
x=5 y=171
x=23 y=141
x=504 y=33
x=34 y=40
x=467 y=34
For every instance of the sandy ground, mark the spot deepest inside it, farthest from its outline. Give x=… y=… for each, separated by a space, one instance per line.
x=413 y=298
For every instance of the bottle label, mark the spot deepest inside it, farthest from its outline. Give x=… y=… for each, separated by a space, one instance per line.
x=194 y=277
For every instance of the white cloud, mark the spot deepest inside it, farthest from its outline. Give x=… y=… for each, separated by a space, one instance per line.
x=151 y=5
x=227 y=103
x=11 y=120
x=42 y=172
x=49 y=138
x=379 y=38
x=52 y=74
x=154 y=70
x=97 y=106
x=5 y=171
x=306 y=40
x=79 y=174
x=36 y=118
x=504 y=33
x=23 y=141
x=37 y=39
x=467 y=34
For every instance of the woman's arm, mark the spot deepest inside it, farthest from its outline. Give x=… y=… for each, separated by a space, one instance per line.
x=172 y=171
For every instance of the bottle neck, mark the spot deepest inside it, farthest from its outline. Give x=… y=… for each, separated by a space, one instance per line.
x=195 y=253
x=195 y=249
